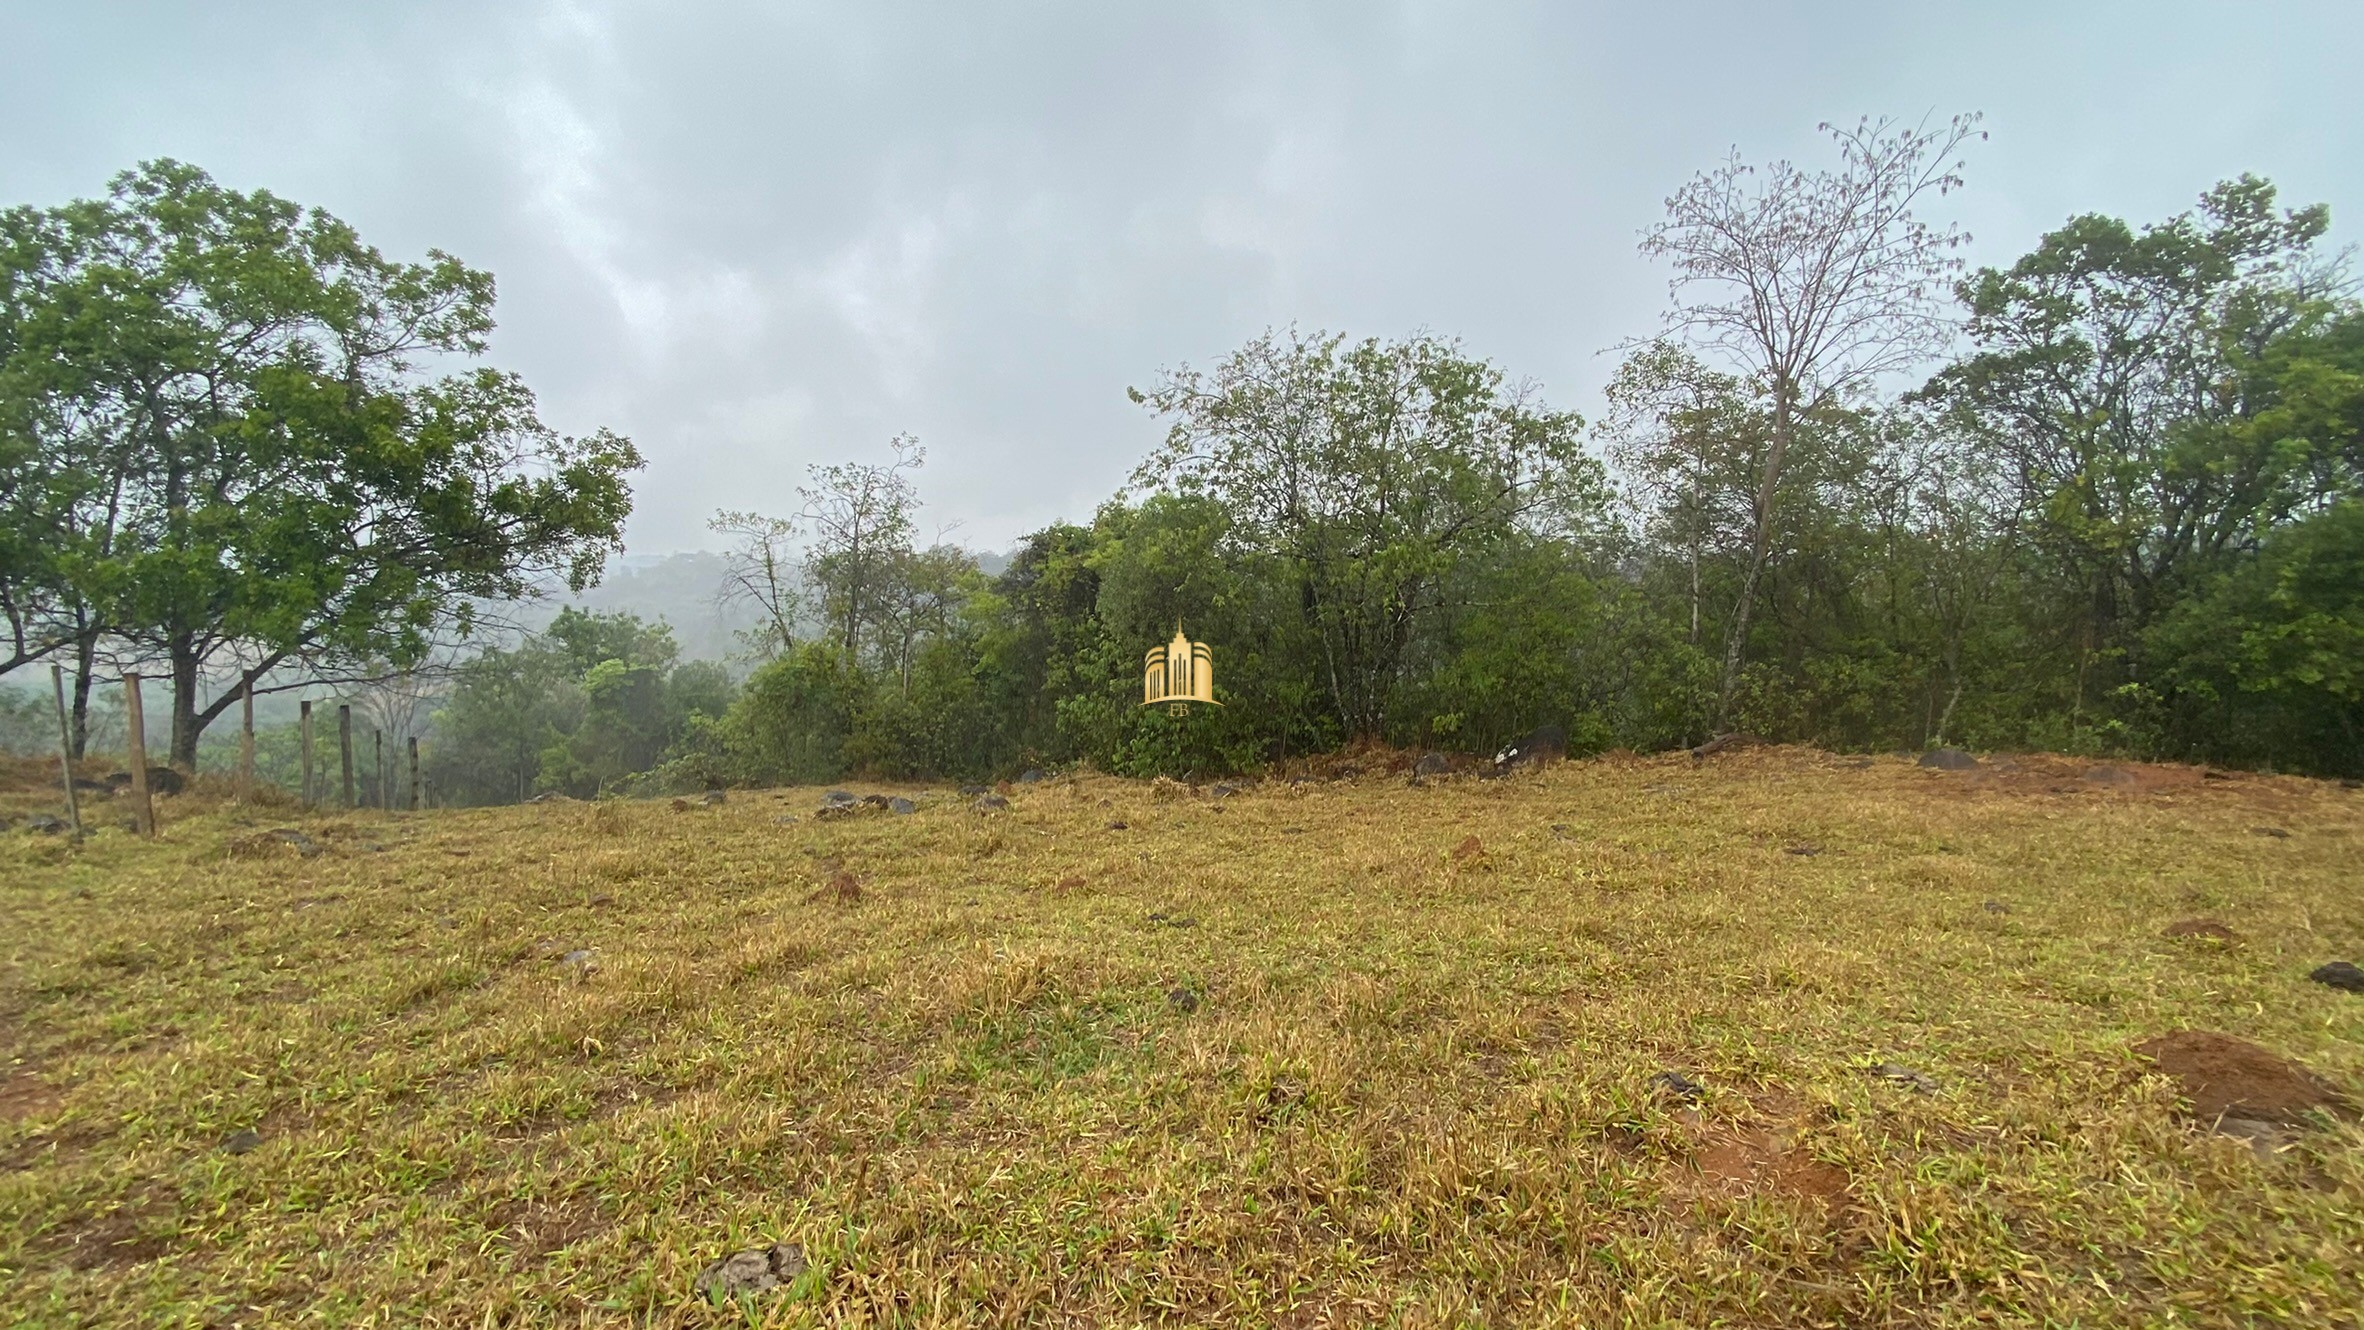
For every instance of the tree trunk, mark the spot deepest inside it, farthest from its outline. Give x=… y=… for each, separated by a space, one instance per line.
x=186 y=723
x=85 y=661
x=1760 y=549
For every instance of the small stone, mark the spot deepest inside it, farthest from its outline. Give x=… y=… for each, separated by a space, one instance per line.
x=2342 y=975
x=1905 y=1076
x=1183 y=1000
x=757 y=1270
x=901 y=806
x=241 y=1141
x=1031 y=775
x=303 y=845
x=971 y=791
x=712 y=797
x=839 y=798
x=1995 y=907
x=1805 y=849
x=1431 y=764
x=989 y=803
x=1117 y=826
x=1948 y=759
x=1224 y=790
x=785 y=819
x=1559 y=828
x=46 y=824
x=1675 y=1085
x=582 y=961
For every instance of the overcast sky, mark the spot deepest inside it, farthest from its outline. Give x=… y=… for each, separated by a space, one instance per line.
x=757 y=236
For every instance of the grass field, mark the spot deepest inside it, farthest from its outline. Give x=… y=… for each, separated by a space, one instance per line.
x=1346 y=1053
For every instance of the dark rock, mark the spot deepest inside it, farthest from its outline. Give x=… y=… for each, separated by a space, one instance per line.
x=241 y=1141
x=302 y=844
x=1905 y=1076
x=1675 y=1085
x=971 y=791
x=989 y=803
x=745 y=1273
x=839 y=797
x=1725 y=743
x=1431 y=764
x=1804 y=848
x=1996 y=907
x=1031 y=775
x=161 y=780
x=2342 y=975
x=712 y=797
x=1948 y=759
x=582 y=962
x=901 y=806
x=874 y=800
x=1223 y=790
x=1117 y=826
x=48 y=824
x=1183 y=1000
x=1545 y=743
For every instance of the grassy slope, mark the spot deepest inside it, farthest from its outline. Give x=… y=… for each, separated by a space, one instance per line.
x=1417 y=1088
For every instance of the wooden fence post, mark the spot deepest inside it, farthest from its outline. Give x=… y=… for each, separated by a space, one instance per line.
x=143 y=803
x=304 y=724
x=65 y=751
x=345 y=748
x=246 y=742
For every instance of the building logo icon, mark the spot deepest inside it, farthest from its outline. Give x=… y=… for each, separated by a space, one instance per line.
x=1177 y=674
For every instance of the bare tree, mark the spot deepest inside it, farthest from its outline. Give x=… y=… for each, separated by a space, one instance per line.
x=762 y=570
x=860 y=517
x=1813 y=284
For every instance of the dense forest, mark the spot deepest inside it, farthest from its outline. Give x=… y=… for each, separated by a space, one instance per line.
x=1852 y=493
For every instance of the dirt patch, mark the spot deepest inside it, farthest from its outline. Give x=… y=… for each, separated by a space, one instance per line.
x=540 y=1227
x=1756 y=1158
x=2225 y=1077
x=120 y=1237
x=24 y=1096
x=2212 y=931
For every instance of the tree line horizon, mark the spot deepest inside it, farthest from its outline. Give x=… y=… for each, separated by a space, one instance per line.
x=1851 y=492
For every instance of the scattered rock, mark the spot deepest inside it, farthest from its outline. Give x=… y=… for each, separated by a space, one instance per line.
x=1675 y=1085
x=47 y=824
x=241 y=1141
x=840 y=798
x=989 y=803
x=901 y=807
x=1183 y=1000
x=1545 y=743
x=874 y=801
x=2278 y=833
x=712 y=797
x=2221 y=1076
x=2342 y=975
x=1915 y=1081
x=971 y=791
x=1118 y=826
x=746 y=1273
x=1996 y=907
x=582 y=962
x=1431 y=764
x=1949 y=759
x=1559 y=828
x=2201 y=930
x=1224 y=790
x=1804 y=848
x=1031 y=775
x=1724 y=743
x=785 y=819
x=2264 y=1138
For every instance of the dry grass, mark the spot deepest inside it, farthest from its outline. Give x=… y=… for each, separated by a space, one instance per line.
x=1335 y=1054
